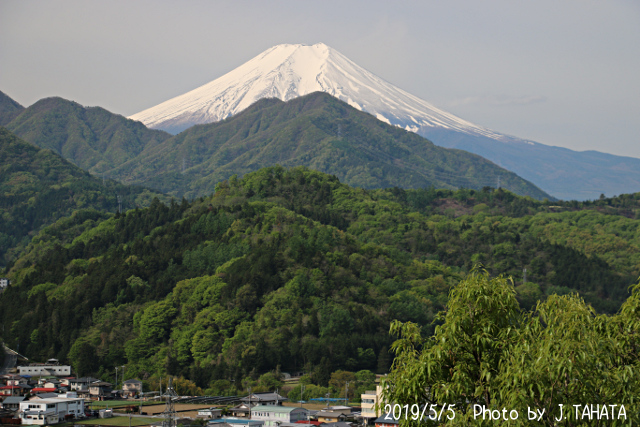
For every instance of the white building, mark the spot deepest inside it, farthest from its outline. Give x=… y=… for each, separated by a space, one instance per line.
x=4 y=283
x=210 y=413
x=274 y=415
x=369 y=400
x=51 y=411
x=45 y=369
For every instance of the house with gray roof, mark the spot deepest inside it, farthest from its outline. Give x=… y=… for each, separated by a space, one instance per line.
x=267 y=398
x=12 y=403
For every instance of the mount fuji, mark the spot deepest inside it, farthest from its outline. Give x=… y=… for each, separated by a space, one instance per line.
x=292 y=70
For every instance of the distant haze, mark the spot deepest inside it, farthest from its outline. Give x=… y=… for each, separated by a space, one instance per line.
x=560 y=73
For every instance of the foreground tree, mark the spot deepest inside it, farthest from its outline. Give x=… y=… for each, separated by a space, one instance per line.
x=489 y=363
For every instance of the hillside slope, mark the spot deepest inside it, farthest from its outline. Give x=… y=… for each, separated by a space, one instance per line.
x=90 y=137
x=37 y=187
x=317 y=131
x=291 y=268
x=9 y=109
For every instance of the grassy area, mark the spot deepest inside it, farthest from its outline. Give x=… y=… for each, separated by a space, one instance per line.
x=99 y=404
x=117 y=421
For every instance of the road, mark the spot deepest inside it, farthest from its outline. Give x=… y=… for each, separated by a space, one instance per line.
x=9 y=360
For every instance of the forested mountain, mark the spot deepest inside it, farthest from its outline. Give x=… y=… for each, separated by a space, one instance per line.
x=317 y=131
x=37 y=187
x=291 y=268
x=90 y=137
x=9 y=109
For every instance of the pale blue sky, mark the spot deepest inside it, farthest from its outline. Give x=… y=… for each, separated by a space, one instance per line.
x=558 y=72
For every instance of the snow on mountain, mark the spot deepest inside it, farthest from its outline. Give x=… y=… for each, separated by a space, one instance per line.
x=291 y=70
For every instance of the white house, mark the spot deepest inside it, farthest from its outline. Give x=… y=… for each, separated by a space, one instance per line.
x=210 y=413
x=50 y=411
x=4 y=283
x=274 y=415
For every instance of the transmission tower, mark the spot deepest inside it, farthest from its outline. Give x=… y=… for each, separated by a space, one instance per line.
x=170 y=408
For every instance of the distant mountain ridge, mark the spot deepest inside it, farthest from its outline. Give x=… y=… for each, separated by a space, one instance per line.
x=563 y=173
x=319 y=132
x=292 y=70
x=90 y=137
x=322 y=133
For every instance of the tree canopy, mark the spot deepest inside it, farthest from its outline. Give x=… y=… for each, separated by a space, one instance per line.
x=488 y=354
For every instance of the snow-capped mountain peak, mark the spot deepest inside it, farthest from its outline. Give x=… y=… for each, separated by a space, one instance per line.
x=290 y=70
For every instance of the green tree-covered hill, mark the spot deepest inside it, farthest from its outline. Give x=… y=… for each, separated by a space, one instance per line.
x=317 y=131
x=292 y=268
x=9 y=109
x=322 y=133
x=90 y=137
x=38 y=187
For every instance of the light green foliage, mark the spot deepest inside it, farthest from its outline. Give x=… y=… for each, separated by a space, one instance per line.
x=487 y=352
x=290 y=268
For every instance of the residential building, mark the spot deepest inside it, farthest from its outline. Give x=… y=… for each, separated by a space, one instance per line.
x=242 y=410
x=15 y=380
x=345 y=410
x=44 y=396
x=100 y=389
x=267 y=398
x=45 y=369
x=12 y=403
x=43 y=390
x=330 y=417
x=4 y=283
x=131 y=388
x=50 y=411
x=274 y=415
x=235 y=422
x=210 y=413
x=15 y=390
x=370 y=400
x=338 y=424
x=81 y=384
x=387 y=420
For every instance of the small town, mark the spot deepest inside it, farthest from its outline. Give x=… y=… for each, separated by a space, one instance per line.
x=47 y=394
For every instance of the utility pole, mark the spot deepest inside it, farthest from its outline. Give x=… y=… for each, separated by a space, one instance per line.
x=141 y=395
x=346 y=393
x=524 y=279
